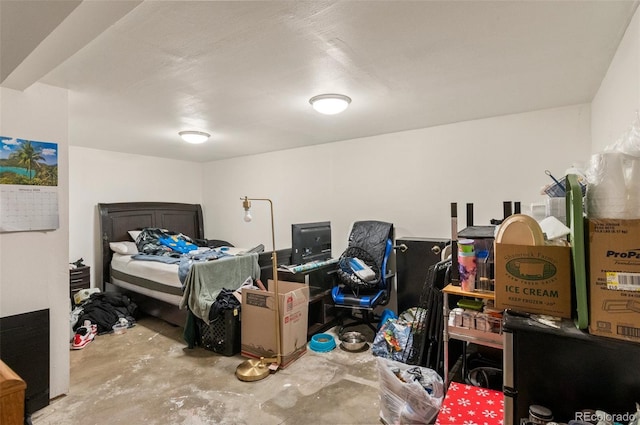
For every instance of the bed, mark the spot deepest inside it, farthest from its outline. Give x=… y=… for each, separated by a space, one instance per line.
x=161 y=294
x=157 y=297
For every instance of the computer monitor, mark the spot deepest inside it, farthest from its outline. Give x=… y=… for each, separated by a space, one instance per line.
x=310 y=242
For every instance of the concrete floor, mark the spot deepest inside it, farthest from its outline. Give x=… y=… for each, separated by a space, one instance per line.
x=149 y=376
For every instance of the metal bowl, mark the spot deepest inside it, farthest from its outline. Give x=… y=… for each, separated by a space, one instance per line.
x=353 y=341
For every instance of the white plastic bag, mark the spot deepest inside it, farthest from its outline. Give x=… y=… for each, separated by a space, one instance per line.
x=408 y=394
x=614 y=178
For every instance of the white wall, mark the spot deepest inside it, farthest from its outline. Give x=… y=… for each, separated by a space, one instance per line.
x=408 y=178
x=98 y=176
x=34 y=273
x=616 y=103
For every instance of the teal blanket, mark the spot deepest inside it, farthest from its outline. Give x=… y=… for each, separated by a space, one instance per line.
x=206 y=279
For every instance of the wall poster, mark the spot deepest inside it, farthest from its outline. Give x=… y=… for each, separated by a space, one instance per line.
x=28 y=185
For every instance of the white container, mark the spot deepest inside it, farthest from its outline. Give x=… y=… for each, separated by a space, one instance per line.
x=556 y=207
x=119 y=328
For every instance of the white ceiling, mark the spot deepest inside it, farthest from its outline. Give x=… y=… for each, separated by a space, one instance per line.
x=139 y=72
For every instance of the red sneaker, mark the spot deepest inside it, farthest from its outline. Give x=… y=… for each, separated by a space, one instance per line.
x=82 y=338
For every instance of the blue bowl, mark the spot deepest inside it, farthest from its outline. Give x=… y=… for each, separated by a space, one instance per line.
x=322 y=343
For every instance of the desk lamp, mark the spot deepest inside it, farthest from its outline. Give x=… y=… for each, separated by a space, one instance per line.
x=254 y=369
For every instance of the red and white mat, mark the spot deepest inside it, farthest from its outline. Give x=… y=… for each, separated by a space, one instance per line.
x=469 y=405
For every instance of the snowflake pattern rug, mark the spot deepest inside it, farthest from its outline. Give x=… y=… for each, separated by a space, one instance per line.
x=469 y=405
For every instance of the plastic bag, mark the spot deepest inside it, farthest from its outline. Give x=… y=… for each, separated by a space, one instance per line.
x=614 y=178
x=629 y=142
x=393 y=340
x=408 y=394
x=398 y=338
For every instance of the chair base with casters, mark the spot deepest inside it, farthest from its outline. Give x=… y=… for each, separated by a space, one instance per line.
x=370 y=242
x=368 y=317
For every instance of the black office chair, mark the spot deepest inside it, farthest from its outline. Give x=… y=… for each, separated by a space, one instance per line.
x=363 y=279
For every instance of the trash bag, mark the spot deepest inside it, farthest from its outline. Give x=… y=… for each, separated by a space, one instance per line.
x=408 y=394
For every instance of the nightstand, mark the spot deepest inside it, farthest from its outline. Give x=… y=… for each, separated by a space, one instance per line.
x=79 y=278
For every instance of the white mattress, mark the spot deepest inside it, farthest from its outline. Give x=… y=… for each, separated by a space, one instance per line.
x=169 y=298
x=166 y=274
x=153 y=271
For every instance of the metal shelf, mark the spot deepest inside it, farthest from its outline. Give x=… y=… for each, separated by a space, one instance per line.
x=474 y=336
x=490 y=339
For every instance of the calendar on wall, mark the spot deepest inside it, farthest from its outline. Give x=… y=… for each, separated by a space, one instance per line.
x=28 y=185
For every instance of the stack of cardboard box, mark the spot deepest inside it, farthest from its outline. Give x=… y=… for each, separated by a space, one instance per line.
x=614 y=278
x=538 y=279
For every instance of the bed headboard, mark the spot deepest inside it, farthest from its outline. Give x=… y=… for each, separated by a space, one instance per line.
x=117 y=219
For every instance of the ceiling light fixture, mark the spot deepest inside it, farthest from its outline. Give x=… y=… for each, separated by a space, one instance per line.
x=330 y=104
x=195 y=137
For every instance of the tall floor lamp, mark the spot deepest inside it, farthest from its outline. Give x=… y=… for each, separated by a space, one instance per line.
x=254 y=369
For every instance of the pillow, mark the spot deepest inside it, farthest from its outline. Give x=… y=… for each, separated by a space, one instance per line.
x=124 y=248
x=134 y=234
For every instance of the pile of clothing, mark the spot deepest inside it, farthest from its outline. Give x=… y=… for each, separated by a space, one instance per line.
x=97 y=315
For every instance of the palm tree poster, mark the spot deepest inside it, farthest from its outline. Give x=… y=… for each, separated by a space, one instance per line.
x=28 y=185
x=28 y=162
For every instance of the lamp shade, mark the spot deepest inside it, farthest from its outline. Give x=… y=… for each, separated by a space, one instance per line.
x=330 y=104
x=195 y=137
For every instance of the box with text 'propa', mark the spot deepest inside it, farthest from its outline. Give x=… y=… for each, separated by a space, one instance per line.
x=614 y=278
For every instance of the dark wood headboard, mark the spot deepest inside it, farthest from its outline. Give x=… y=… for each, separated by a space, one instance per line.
x=117 y=219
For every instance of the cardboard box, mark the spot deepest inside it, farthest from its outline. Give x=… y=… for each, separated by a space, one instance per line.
x=614 y=278
x=533 y=279
x=258 y=333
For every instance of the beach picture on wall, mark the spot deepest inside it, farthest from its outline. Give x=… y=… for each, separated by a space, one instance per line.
x=28 y=162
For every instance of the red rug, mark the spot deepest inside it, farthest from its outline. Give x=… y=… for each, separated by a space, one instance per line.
x=469 y=405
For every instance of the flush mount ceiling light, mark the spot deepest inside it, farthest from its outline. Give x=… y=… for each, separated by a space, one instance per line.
x=195 y=137
x=330 y=104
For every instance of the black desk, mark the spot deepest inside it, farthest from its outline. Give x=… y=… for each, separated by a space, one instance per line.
x=321 y=306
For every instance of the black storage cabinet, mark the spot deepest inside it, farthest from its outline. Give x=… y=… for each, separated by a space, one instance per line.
x=566 y=370
x=412 y=265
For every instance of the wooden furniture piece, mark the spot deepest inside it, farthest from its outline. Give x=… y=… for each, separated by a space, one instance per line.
x=117 y=219
x=12 y=389
x=475 y=336
x=79 y=278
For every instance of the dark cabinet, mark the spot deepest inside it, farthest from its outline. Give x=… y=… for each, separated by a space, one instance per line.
x=322 y=312
x=412 y=265
x=24 y=348
x=79 y=278
x=566 y=370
